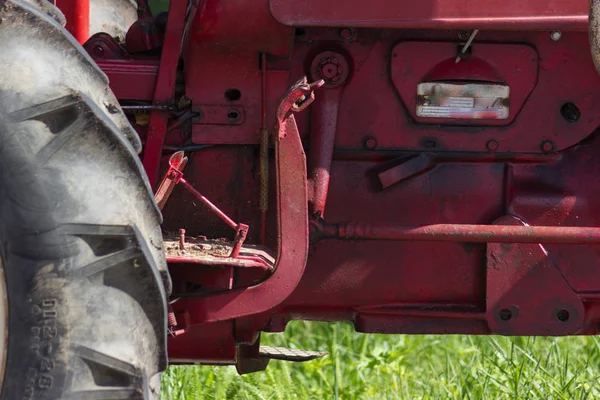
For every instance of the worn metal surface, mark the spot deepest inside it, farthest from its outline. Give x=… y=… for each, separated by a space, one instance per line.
x=433 y=196
x=457 y=233
x=285 y=354
x=516 y=303
x=334 y=70
x=77 y=15
x=178 y=162
x=165 y=87
x=292 y=224
x=434 y=14
x=594 y=32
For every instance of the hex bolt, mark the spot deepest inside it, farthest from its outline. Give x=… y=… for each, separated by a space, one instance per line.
x=556 y=36
x=369 y=142
x=547 y=146
x=182 y=239
x=492 y=145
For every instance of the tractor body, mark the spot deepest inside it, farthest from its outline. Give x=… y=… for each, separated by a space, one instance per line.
x=410 y=167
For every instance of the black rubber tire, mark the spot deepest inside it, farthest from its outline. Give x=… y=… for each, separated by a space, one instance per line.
x=113 y=17
x=81 y=245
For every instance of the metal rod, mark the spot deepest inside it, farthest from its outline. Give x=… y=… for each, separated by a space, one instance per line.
x=210 y=205
x=145 y=107
x=466 y=46
x=264 y=153
x=77 y=14
x=458 y=233
x=594 y=32
x=324 y=117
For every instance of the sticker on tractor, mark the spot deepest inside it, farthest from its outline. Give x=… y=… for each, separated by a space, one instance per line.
x=466 y=101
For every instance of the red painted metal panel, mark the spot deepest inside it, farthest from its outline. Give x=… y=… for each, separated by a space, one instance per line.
x=435 y=14
x=77 y=14
x=388 y=170
x=131 y=79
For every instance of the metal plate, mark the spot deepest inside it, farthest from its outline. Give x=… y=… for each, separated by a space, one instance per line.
x=436 y=14
x=468 y=101
x=488 y=72
x=285 y=354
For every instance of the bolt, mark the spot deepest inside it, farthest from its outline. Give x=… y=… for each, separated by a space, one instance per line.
x=99 y=50
x=547 y=146
x=346 y=33
x=331 y=67
x=369 y=142
x=556 y=36
x=463 y=35
x=492 y=145
x=430 y=143
x=182 y=239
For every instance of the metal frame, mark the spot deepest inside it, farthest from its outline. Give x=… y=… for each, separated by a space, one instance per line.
x=491 y=194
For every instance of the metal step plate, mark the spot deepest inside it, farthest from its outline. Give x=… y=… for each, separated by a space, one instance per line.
x=285 y=354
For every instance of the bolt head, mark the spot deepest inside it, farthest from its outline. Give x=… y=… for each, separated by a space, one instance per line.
x=325 y=61
x=346 y=33
x=547 y=146
x=331 y=67
x=370 y=142
x=463 y=35
x=492 y=145
x=331 y=70
x=556 y=36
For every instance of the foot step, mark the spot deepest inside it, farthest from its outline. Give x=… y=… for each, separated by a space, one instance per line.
x=285 y=354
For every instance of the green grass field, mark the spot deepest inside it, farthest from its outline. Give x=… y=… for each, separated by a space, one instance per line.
x=404 y=367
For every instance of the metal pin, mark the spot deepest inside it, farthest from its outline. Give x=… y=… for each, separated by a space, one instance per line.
x=467 y=45
x=182 y=239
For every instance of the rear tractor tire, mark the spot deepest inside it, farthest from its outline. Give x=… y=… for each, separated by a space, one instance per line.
x=84 y=281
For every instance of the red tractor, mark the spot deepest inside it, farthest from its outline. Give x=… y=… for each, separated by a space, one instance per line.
x=411 y=167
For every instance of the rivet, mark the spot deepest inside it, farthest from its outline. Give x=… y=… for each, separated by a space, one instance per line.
x=369 y=142
x=547 y=146
x=492 y=145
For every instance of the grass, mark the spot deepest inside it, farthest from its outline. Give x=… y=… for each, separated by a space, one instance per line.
x=403 y=367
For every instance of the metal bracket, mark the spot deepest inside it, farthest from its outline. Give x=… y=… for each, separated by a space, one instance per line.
x=526 y=292
x=174 y=176
x=292 y=222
